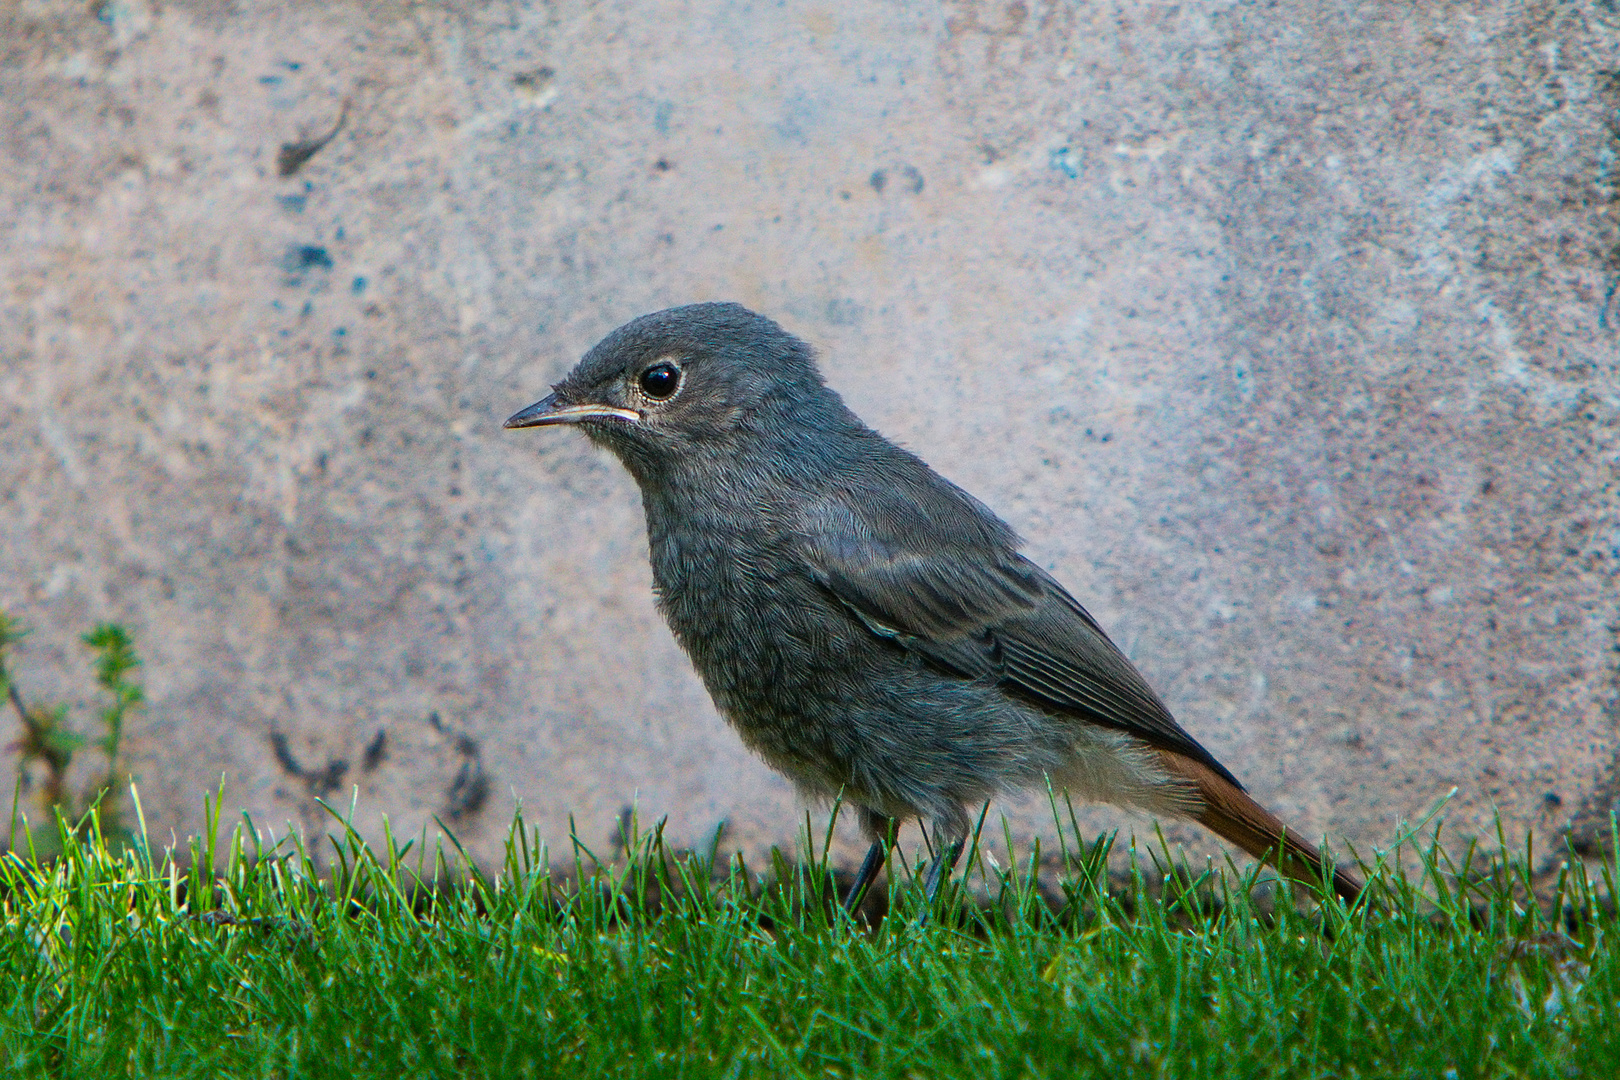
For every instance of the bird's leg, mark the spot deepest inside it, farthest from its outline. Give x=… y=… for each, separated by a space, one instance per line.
x=882 y=829
x=950 y=836
x=863 y=878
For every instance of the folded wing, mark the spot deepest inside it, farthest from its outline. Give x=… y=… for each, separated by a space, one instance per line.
x=964 y=600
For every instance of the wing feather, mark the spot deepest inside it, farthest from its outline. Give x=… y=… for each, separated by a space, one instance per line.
x=982 y=611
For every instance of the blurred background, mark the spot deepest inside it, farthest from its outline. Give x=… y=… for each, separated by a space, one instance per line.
x=1284 y=332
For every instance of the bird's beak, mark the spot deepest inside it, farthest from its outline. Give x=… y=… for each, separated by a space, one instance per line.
x=547 y=411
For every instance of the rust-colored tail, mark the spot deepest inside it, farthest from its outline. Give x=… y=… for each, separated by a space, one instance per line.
x=1225 y=810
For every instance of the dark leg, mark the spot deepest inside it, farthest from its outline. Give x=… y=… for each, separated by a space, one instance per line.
x=941 y=868
x=869 y=870
x=949 y=837
x=882 y=830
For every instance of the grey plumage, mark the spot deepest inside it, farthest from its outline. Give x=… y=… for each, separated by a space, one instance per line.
x=866 y=625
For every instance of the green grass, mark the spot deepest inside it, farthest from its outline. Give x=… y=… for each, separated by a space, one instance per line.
x=392 y=964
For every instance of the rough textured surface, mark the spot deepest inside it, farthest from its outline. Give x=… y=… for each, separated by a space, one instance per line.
x=1285 y=333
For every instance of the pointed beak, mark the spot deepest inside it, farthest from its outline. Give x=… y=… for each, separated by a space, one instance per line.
x=547 y=411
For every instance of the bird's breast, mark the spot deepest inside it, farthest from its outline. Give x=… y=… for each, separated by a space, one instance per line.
x=743 y=605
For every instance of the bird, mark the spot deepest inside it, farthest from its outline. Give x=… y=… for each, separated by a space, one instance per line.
x=870 y=629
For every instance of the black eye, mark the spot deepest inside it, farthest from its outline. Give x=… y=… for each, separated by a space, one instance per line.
x=660 y=381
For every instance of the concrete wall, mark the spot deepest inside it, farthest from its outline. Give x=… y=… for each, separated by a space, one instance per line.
x=1285 y=332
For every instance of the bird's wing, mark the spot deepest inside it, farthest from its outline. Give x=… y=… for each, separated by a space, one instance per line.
x=982 y=611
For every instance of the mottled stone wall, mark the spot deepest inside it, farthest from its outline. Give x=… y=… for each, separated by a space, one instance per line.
x=1285 y=333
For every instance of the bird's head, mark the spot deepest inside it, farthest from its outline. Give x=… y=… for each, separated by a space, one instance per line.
x=665 y=384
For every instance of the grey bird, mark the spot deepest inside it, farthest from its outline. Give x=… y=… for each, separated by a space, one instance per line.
x=868 y=627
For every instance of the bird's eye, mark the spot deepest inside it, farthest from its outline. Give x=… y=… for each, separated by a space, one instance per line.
x=660 y=381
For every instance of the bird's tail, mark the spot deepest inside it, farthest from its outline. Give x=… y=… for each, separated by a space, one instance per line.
x=1225 y=810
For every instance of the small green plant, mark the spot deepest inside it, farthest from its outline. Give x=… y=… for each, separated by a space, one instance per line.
x=49 y=741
